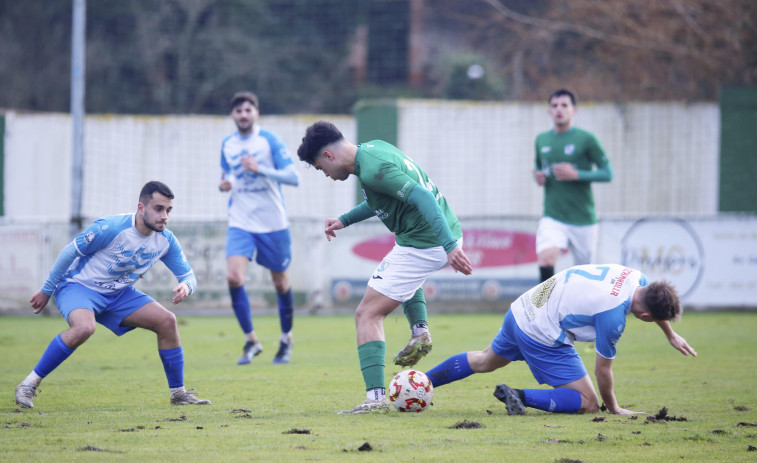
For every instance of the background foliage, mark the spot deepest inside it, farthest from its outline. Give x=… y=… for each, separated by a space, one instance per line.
x=321 y=56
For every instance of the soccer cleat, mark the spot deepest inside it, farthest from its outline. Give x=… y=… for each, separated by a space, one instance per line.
x=25 y=395
x=250 y=350
x=369 y=406
x=182 y=397
x=417 y=347
x=511 y=399
x=282 y=356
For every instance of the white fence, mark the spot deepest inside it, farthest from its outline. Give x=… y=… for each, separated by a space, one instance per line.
x=664 y=156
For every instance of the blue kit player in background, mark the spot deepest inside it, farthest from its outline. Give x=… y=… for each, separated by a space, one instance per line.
x=586 y=303
x=93 y=279
x=255 y=163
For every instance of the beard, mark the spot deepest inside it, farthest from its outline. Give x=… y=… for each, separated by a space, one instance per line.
x=244 y=126
x=154 y=226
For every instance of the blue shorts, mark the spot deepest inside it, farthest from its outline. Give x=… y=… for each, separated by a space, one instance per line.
x=274 y=250
x=110 y=309
x=553 y=365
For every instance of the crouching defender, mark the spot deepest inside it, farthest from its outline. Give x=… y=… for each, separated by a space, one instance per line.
x=586 y=303
x=93 y=281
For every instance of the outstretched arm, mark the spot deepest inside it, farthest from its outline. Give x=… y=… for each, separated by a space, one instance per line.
x=675 y=339
x=605 y=383
x=65 y=259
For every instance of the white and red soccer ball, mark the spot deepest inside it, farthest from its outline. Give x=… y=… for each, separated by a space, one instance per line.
x=410 y=391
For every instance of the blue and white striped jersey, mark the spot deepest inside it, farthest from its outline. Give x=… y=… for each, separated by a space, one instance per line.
x=256 y=203
x=586 y=303
x=112 y=254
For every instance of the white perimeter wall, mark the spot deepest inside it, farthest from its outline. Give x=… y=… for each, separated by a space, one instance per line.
x=664 y=156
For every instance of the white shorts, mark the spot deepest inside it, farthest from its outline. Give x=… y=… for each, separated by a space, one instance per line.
x=581 y=239
x=405 y=269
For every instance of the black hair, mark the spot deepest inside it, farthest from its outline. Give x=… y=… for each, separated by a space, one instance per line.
x=317 y=136
x=151 y=187
x=241 y=97
x=563 y=92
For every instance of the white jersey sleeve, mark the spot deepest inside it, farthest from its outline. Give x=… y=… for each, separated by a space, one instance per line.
x=586 y=303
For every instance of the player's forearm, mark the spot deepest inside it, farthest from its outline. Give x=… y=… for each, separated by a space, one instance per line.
x=602 y=174
x=426 y=204
x=357 y=214
x=286 y=175
x=64 y=260
x=606 y=389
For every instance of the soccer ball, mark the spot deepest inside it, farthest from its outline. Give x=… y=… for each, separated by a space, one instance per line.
x=410 y=391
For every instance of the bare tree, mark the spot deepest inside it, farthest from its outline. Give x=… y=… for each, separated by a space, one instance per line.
x=618 y=49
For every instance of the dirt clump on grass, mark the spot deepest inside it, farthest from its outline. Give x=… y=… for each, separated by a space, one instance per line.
x=365 y=447
x=663 y=417
x=465 y=424
x=297 y=431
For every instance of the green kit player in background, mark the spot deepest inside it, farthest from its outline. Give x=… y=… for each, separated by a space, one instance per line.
x=568 y=159
x=427 y=233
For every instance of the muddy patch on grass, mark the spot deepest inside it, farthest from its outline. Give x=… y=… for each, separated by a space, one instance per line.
x=465 y=424
x=663 y=417
x=297 y=431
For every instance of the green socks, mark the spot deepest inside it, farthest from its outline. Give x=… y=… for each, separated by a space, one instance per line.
x=372 y=355
x=415 y=309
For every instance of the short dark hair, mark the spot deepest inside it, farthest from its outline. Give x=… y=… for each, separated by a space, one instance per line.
x=563 y=92
x=661 y=300
x=151 y=187
x=317 y=136
x=241 y=97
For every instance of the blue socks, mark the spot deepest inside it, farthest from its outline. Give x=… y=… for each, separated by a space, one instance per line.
x=173 y=364
x=241 y=304
x=57 y=351
x=286 y=310
x=558 y=400
x=452 y=369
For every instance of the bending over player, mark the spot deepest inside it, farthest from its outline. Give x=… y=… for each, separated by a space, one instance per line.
x=587 y=303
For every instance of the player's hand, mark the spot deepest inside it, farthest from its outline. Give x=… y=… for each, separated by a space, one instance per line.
x=332 y=224
x=225 y=185
x=564 y=171
x=181 y=292
x=623 y=411
x=680 y=344
x=39 y=301
x=249 y=163
x=540 y=177
x=459 y=261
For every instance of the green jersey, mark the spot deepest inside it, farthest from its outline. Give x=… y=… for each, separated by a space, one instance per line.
x=386 y=178
x=571 y=202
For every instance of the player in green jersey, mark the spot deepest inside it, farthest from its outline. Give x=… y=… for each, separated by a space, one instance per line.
x=567 y=160
x=427 y=233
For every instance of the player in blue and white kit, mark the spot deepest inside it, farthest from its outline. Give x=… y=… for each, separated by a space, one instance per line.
x=93 y=279
x=586 y=303
x=255 y=163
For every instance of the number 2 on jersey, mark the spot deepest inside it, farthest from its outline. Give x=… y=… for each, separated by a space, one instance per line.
x=599 y=277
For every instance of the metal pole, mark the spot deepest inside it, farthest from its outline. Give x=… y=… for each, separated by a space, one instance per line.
x=78 y=66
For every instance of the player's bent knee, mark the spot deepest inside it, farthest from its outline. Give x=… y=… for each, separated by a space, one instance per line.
x=79 y=334
x=234 y=281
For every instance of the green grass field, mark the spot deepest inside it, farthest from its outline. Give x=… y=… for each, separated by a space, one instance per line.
x=109 y=401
